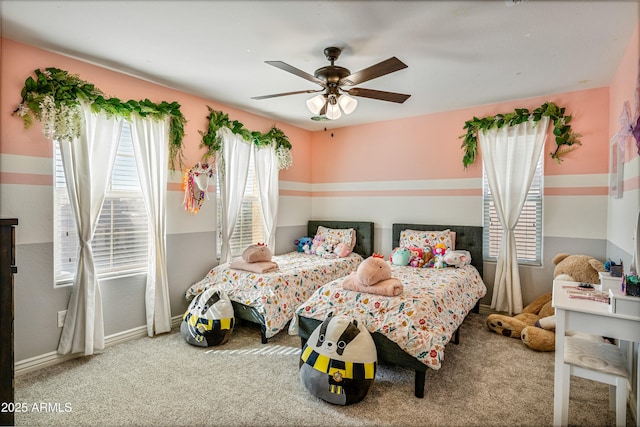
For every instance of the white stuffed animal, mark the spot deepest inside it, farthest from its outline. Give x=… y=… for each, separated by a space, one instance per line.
x=457 y=258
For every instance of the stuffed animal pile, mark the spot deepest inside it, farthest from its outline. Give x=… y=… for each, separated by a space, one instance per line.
x=322 y=246
x=437 y=257
x=535 y=325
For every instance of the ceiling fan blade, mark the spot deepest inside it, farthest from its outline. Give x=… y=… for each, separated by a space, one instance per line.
x=378 y=94
x=287 y=93
x=380 y=69
x=293 y=70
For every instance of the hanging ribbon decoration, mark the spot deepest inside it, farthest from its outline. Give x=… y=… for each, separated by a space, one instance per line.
x=195 y=183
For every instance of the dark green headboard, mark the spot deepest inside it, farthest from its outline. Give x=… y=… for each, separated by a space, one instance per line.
x=467 y=237
x=364 y=233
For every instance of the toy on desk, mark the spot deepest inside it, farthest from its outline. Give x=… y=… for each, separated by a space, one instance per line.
x=631 y=285
x=614 y=269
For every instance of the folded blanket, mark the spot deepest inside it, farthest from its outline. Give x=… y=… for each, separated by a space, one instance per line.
x=254 y=267
x=387 y=287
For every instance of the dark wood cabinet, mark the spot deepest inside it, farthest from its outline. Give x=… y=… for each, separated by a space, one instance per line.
x=7 y=269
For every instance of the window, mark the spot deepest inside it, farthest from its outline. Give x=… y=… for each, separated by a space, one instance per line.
x=529 y=228
x=120 y=240
x=250 y=225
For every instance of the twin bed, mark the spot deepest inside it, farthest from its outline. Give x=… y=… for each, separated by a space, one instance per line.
x=410 y=330
x=270 y=299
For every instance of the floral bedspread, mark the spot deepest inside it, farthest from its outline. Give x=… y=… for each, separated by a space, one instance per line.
x=421 y=320
x=276 y=295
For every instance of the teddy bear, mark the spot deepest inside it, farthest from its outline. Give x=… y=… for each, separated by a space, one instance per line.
x=577 y=268
x=535 y=325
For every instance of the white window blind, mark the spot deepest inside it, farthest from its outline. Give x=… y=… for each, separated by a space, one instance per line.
x=529 y=228
x=250 y=225
x=120 y=240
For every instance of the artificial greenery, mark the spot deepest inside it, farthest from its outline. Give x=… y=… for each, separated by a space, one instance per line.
x=275 y=137
x=54 y=97
x=566 y=138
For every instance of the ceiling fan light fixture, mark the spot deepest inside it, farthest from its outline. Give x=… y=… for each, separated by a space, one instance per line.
x=347 y=103
x=333 y=111
x=316 y=103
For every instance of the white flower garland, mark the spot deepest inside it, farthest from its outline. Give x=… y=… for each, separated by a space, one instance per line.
x=59 y=122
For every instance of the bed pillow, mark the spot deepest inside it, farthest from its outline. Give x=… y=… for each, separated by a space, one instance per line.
x=338 y=235
x=423 y=239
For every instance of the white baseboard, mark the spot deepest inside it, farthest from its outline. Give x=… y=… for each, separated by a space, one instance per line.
x=486 y=309
x=53 y=358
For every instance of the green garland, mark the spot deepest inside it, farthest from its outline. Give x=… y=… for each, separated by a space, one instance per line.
x=566 y=138
x=54 y=96
x=275 y=137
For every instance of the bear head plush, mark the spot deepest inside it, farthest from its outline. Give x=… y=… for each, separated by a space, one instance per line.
x=578 y=268
x=535 y=325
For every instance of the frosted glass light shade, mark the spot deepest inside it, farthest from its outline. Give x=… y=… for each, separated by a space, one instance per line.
x=347 y=103
x=316 y=103
x=333 y=111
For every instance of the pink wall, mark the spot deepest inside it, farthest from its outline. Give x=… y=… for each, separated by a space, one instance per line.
x=626 y=88
x=428 y=147
x=19 y=61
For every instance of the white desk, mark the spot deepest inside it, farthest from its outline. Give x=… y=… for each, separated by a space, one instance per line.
x=586 y=316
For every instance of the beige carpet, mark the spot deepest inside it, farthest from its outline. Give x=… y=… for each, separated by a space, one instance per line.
x=487 y=380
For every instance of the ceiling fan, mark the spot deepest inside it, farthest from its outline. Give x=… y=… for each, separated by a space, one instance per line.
x=336 y=82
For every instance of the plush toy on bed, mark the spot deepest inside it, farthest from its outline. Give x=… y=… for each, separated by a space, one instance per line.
x=338 y=361
x=316 y=243
x=400 y=256
x=457 y=258
x=303 y=244
x=438 y=256
x=417 y=257
x=209 y=319
x=257 y=253
x=373 y=275
x=535 y=325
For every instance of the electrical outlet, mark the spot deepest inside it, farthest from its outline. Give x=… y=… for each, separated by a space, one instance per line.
x=61 y=315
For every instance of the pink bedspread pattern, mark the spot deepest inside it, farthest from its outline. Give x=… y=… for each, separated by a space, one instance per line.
x=276 y=295
x=421 y=320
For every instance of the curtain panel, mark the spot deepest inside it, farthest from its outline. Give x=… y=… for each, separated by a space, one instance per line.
x=150 y=139
x=88 y=163
x=510 y=155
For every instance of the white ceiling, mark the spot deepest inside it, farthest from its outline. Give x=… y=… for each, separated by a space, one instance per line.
x=459 y=53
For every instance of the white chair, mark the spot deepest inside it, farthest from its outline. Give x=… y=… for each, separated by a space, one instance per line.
x=603 y=362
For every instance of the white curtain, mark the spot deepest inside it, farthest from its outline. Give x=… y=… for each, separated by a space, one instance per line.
x=232 y=166
x=266 y=164
x=87 y=162
x=510 y=155
x=151 y=147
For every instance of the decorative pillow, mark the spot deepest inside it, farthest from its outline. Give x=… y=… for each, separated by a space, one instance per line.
x=338 y=235
x=422 y=239
x=342 y=250
x=338 y=361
